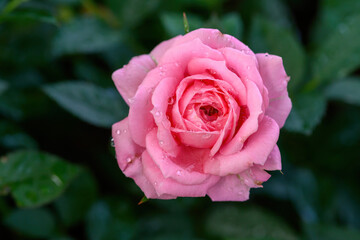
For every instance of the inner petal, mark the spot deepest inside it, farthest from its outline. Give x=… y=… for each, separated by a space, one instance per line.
x=209 y=113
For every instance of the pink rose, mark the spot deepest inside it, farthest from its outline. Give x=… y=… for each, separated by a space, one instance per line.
x=204 y=118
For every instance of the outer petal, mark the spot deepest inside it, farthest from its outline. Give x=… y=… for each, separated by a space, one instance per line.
x=245 y=67
x=214 y=39
x=229 y=188
x=126 y=149
x=128 y=155
x=274 y=160
x=169 y=186
x=250 y=125
x=128 y=78
x=275 y=80
x=160 y=49
x=256 y=151
x=141 y=121
x=167 y=167
x=162 y=93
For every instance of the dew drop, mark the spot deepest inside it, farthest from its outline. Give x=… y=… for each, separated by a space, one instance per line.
x=171 y=100
x=178 y=172
x=131 y=100
x=157 y=114
x=125 y=131
x=112 y=143
x=129 y=160
x=118 y=132
x=206 y=136
x=155 y=183
x=161 y=142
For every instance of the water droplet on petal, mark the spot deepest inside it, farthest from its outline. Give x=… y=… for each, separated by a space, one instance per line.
x=118 y=132
x=171 y=100
x=129 y=160
x=131 y=100
x=161 y=142
x=157 y=114
x=206 y=136
x=155 y=183
x=112 y=143
x=125 y=131
x=178 y=172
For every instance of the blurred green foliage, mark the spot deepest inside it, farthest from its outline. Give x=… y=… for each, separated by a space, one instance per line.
x=56 y=96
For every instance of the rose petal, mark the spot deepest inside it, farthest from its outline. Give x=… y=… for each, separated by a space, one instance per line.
x=250 y=125
x=202 y=65
x=274 y=160
x=169 y=186
x=128 y=155
x=126 y=149
x=229 y=188
x=141 y=120
x=167 y=167
x=255 y=151
x=275 y=80
x=159 y=99
x=128 y=78
x=160 y=49
x=215 y=39
x=194 y=49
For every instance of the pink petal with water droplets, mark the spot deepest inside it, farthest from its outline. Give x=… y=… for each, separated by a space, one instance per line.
x=169 y=186
x=128 y=78
x=275 y=80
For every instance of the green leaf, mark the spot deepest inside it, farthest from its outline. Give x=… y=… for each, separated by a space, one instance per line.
x=76 y=201
x=347 y=90
x=104 y=222
x=35 y=178
x=247 y=223
x=12 y=137
x=339 y=53
x=3 y=86
x=331 y=232
x=84 y=35
x=266 y=36
x=32 y=222
x=306 y=114
x=332 y=13
x=95 y=105
x=173 y=23
x=30 y=14
x=12 y=5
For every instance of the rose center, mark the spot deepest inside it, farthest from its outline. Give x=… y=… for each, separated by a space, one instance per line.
x=209 y=113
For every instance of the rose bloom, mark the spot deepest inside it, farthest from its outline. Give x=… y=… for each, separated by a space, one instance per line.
x=204 y=117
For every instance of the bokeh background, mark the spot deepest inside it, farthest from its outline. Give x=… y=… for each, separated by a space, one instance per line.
x=59 y=179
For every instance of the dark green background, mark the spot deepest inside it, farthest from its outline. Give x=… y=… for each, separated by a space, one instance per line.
x=59 y=179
